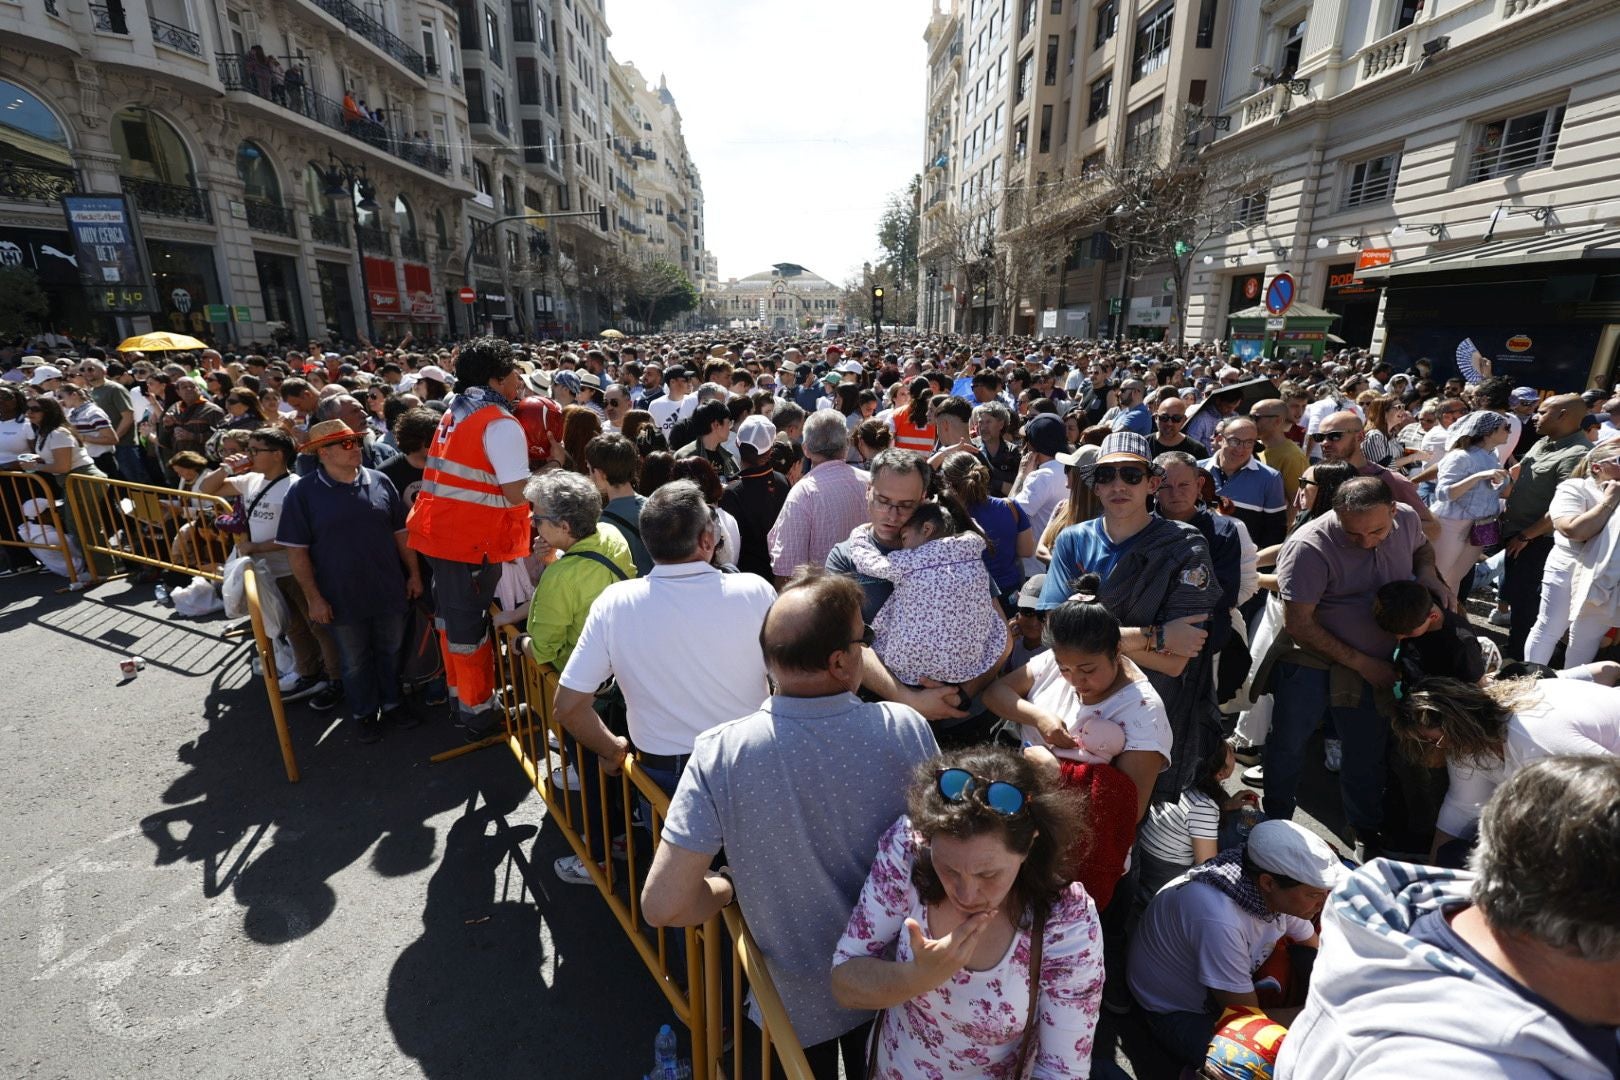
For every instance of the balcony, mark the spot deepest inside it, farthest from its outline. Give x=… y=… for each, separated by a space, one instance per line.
x=352 y=16
x=374 y=238
x=412 y=247
x=327 y=229
x=268 y=217
x=158 y=199
x=109 y=21
x=36 y=183
x=176 y=37
x=489 y=260
x=329 y=113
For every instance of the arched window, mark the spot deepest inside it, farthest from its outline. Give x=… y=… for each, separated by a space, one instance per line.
x=404 y=217
x=440 y=232
x=30 y=134
x=257 y=174
x=149 y=148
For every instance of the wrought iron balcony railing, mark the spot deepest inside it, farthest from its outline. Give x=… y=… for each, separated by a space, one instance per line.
x=327 y=229
x=176 y=37
x=412 y=247
x=36 y=183
x=266 y=216
x=168 y=200
x=355 y=18
x=374 y=238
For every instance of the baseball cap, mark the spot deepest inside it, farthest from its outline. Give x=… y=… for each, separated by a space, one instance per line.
x=1045 y=434
x=437 y=374
x=1030 y=595
x=851 y=367
x=757 y=432
x=1525 y=395
x=568 y=380
x=839 y=349
x=44 y=374
x=1282 y=847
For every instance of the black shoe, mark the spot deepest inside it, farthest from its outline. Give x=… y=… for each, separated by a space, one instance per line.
x=1247 y=755
x=479 y=734
x=306 y=686
x=327 y=699
x=401 y=717
x=371 y=729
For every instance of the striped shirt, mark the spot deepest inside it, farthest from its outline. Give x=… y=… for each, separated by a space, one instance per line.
x=88 y=419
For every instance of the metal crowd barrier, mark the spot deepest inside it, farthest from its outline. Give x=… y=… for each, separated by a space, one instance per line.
x=693 y=979
x=19 y=488
x=160 y=527
x=267 y=664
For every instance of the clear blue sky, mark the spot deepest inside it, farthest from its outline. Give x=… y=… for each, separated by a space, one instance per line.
x=800 y=117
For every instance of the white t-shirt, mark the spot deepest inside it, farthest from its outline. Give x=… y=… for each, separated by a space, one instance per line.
x=1193 y=939
x=1136 y=707
x=1043 y=489
x=507 y=447
x=1571 y=498
x=63 y=437
x=16 y=437
x=266 y=515
x=1170 y=828
x=666 y=413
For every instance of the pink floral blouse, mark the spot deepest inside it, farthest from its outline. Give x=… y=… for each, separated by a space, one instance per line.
x=971 y=1025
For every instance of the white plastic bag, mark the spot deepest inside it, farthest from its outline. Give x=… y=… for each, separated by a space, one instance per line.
x=272 y=608
x=233 y=592
x=197 y=599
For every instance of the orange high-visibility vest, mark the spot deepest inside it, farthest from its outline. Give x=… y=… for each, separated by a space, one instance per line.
x=461 y=514
x=909 y=436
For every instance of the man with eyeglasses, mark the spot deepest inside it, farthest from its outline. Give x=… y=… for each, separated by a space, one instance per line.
x=798 y=857
x=1339 y=438
x=1254 y=490
x=1169 y=424
x=1271 y=422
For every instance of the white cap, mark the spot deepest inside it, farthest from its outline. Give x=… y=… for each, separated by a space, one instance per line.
x=438 y=374
x=33 y=508
x=1282 y=847
x=44 y=374
x=758 y=432
x=851 y=367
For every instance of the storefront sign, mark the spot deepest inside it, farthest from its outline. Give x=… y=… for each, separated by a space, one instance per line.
x=1372 y=257
x=217 y=313
x=243 y=313
x=382 y=287
x=419 y=293
x=111 y=257
x=1519 y=343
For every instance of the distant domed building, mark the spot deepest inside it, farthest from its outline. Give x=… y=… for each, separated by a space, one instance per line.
x=785 y=297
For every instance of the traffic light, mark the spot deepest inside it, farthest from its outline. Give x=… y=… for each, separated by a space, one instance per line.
x=601 y=216
x=877 y=303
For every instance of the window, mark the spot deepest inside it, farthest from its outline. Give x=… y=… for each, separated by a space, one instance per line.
x=508 y=196
x=1206 y=24
x=440 y=233
x=522 y=20
x=1514 y=144
x=501 y=123
x=1152 y=47
x=1107 y=22
x=1026 y=18
x=1049 y=76
x=1063 y=124
x=1093 y=165
x=1406 y=13
x=528 y=81
x=534 y=150
x=492 y=28
x=1372 y=181
x=1101 y=90
x=476 y=105
x=1046 y=129
x=1057 y=7
x=481 y=178
x=1142 y=128
x=1251 y=210
x=430 y=52
x=1026 y=76
x=1020 y=139
x=1292 y=44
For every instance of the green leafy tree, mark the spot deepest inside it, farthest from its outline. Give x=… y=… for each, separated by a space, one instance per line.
x=656 y=292
x=897 y=238
x=22 y=302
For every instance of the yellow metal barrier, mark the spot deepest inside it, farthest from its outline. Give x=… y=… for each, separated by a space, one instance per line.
x=156 y=526
x=267 y=664
x=18 y=488
x=696 y=987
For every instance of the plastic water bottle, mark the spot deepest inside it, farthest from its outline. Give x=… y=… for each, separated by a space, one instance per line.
x=161 y=593
x=1248 y=817
x=665 y=1065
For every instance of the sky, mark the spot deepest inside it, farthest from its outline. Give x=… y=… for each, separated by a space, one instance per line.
x=801 y=117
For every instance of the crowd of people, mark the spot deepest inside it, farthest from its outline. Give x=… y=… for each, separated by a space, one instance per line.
x=950 y=657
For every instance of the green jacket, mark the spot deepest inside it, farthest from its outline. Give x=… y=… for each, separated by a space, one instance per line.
x=565 y=592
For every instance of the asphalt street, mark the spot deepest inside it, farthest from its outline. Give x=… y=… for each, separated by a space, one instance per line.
x=170 y=906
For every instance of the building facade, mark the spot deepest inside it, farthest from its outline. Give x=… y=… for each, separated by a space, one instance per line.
x=1437 y=174
x=273 y=205
x=786 y=298
x=1025 y=99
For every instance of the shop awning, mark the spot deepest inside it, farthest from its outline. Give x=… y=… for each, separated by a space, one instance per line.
x=1546 y=247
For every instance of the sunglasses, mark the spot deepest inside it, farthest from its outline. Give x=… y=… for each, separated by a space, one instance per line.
x=1169 y=418
x=958 y=785
x=867 y=638
x=1106 y=474
x=1031 y=613
x=1330 y=436
x=345 y=444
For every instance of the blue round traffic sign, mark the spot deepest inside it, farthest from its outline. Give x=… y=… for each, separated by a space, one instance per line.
x=1280 y=294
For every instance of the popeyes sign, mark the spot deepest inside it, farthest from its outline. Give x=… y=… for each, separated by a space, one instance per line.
x=1374 y=257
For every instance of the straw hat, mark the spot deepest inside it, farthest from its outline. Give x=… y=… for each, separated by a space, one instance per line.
x=327 y=432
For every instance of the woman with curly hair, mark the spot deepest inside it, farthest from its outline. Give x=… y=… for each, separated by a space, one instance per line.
x=997 y=952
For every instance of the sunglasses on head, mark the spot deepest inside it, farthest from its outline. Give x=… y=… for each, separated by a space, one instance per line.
x=958 y=785
x=1107 y=474
x=1329 y=436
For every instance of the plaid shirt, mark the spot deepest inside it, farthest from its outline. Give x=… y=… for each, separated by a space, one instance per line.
x=821 y=511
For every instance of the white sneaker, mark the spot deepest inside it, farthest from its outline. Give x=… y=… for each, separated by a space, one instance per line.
x=1255 y=775
x=565 y=780
x=1332 y=754
x=286 y=682
x=571 y=868
x=1501 y=618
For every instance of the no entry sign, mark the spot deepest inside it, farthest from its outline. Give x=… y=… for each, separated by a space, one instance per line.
x=466 y=295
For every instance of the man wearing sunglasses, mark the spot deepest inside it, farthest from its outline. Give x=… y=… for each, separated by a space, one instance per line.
x=1339 y=438
x=797 y=854
x=1169 y=422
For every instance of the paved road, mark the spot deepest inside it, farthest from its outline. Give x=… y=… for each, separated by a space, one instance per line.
x=171 y=907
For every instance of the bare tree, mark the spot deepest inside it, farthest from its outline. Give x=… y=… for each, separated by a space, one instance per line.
x=1165 y=199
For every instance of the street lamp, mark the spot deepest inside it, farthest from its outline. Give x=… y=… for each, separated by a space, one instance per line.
x=341 y=180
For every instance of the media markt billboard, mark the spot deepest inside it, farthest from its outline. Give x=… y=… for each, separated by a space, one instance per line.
x=112 y=256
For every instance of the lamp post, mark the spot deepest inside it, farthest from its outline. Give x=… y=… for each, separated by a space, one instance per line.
x=340 y=178
x=933 y=299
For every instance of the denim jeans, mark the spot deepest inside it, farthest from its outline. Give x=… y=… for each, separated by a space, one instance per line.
x=131 y=465
x=1301 y=695
x=369 y=649
x=1185 y=1035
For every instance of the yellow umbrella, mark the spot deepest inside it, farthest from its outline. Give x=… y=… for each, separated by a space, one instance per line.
x=612 y=334
x=161 y=341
